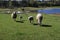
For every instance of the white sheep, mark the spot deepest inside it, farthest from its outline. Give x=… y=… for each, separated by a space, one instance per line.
x=14 y=15
x=30 y=18
x=39 y=18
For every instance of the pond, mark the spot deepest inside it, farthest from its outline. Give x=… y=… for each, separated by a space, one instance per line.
x=50 y=11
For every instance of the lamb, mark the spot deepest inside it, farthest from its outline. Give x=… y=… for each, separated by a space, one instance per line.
x=14 y=15
x=30 y=18
x=39 y=18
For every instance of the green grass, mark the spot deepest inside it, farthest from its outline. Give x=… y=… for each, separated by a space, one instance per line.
x=11 y=30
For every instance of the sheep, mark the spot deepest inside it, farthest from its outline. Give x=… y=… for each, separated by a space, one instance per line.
x=39 y=18
x=14 y=15
x=30 y=18
x=20 y=17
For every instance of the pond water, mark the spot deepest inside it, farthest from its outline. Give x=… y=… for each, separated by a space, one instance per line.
x=50 y=11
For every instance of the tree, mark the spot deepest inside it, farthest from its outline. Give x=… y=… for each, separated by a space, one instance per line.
x=31 y=2
x=10 y=4
x=1 y=3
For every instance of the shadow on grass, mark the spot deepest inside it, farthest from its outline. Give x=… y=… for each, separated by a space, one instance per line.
x=21 y=21
x=46 y=25
x=35 y=23
x=43 y=25
x=20 y=33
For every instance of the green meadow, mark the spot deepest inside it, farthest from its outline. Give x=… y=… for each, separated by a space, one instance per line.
x=12 y=30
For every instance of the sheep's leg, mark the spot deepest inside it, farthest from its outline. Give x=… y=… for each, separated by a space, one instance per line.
x=20 y=18
x=30 y=21
x=14 y=19
x=41 y=20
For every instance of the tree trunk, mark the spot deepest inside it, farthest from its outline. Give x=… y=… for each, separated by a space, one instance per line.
x=10 y=4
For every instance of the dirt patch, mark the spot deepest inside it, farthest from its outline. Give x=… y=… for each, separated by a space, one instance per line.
x=57 y=14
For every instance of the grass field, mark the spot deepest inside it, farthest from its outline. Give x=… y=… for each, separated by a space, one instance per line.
x=11 y=30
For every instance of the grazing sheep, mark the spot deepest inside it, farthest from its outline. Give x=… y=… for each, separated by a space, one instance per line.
x=14 y=15
x=30 y=18
x=20 y=18
x=39 y=18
